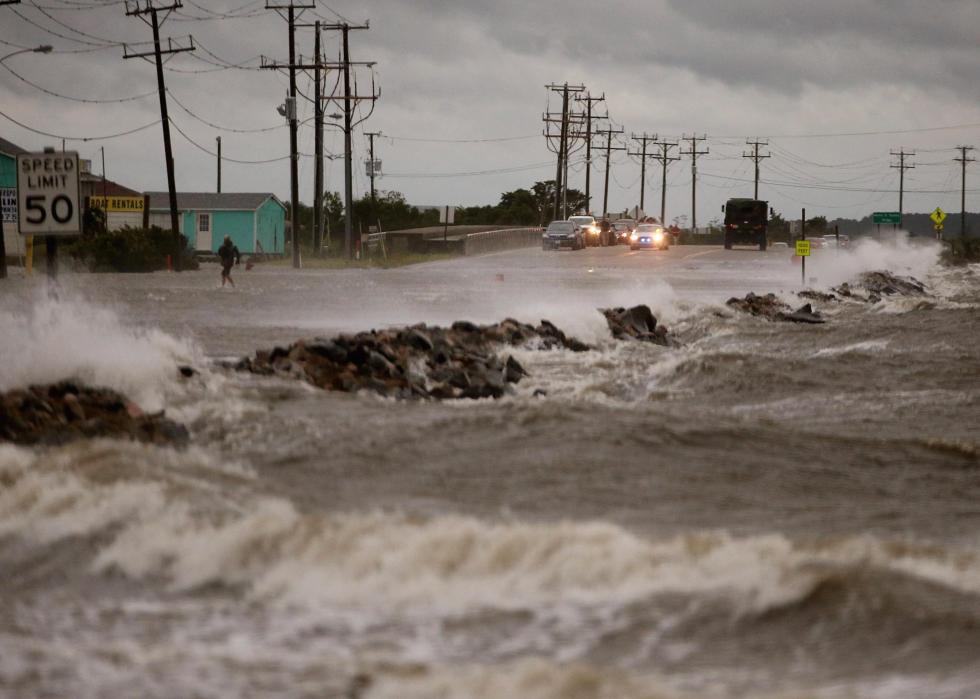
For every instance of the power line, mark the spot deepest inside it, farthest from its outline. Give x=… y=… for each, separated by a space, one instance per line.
x=83 y=139
x=84 y=100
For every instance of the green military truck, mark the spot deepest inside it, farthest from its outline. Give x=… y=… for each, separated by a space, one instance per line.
x=746 y=222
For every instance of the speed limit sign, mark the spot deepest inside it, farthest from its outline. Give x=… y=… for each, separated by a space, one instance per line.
x=48 y=194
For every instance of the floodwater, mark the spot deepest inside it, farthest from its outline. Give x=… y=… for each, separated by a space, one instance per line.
x=770 y=510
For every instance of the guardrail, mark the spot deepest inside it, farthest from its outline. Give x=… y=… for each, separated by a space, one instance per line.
x=467 y=244
x=505 y=239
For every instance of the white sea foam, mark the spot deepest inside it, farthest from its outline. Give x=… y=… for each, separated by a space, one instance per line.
x=898 y=256
x=51 y=340
x=866 y=347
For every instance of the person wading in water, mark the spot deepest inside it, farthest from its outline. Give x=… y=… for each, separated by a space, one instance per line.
x=229 y=255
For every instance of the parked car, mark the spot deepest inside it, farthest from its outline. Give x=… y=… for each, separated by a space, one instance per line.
x=561 y=234
x=650 y=236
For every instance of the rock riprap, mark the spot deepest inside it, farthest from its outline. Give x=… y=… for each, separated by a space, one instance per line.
x=461 y=361
x=66 y=411
x=771 y=308
x=636 y=323
x=879 y=284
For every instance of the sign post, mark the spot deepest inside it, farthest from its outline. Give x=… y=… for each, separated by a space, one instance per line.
x=48 y=199
x=938 y=216
x=8 y=214
x=886 y=217
x=446 y=216
x=803 y=248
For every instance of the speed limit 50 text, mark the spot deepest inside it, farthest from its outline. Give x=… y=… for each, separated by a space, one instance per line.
x=48 y=194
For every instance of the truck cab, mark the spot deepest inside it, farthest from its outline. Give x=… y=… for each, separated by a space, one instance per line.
x=746 y=222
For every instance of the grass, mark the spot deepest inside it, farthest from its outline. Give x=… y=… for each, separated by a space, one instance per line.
x=374 y=262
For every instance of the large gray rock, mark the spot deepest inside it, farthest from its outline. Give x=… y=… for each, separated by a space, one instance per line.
x=636 y=323
x=66 y=411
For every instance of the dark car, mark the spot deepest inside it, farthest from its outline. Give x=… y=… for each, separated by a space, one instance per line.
x=562 y=234
x=623 y=228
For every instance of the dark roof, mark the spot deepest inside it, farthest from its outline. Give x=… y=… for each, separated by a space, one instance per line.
x=92 y=187
x=211 y=201
x=10 y=148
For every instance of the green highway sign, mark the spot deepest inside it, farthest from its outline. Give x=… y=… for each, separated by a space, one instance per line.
x=886 y=217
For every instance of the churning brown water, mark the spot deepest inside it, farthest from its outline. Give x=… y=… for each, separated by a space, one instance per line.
x=770 y=510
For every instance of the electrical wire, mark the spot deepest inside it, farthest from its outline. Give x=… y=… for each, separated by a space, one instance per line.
x=77 y=99
x=84 y=139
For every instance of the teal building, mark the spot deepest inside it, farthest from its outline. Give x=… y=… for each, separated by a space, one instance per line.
x=255 y=222
x=13 y=243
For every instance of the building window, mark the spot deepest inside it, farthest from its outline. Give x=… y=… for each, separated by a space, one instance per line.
x=204 y=223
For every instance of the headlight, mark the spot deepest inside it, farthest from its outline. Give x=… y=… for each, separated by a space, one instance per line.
x=634 y=236
x=658 y=237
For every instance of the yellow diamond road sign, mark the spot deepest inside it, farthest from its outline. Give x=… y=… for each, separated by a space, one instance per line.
x=803 y=248
x=938 y=216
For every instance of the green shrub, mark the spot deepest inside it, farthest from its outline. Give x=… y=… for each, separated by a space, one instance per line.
x=129 y=250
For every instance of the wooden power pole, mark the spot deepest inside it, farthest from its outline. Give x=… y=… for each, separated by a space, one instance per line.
x=756 y=156
x=290 y=16
x=644 y=140
x=963 y=160
x=141 y=10
x=694 y=153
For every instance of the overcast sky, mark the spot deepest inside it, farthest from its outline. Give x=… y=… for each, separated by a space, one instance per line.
x=463 y=92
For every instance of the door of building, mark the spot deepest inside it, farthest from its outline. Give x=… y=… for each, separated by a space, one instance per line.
x=204 y=231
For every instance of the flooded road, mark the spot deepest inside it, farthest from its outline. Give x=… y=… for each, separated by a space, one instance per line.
x=767 y=510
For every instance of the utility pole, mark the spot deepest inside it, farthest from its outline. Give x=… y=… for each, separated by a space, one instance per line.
x=610 y=132
x=349 y=100
x=317 y=144
x=372 y=173
x=694 y=153
x=290 y=17
x=105 y=198
x=138 y=9
x=563 y=150
x=219 y=164
x=963 y=160
x=902 y=167
x=372 y=169
x=589 y=101
x=665 y=160
x=644 y=139
x=756 y=156
x=566 y=90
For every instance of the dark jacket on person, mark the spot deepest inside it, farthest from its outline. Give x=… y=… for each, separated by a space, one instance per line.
x=228 y=252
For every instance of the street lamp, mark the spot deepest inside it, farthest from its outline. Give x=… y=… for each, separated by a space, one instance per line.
x=3 y=245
